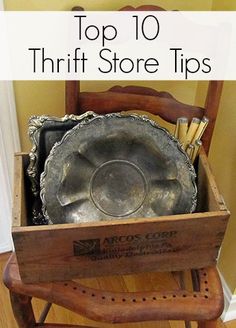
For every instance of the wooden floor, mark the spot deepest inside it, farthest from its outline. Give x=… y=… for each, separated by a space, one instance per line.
x=60 y=315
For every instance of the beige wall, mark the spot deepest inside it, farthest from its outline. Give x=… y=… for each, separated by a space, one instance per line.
x=35 y=98
x=104 y=4
x=223 y=162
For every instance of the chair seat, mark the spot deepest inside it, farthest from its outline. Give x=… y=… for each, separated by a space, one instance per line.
x=120 y=307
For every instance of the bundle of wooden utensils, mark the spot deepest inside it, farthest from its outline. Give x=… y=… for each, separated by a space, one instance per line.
x=189 y=135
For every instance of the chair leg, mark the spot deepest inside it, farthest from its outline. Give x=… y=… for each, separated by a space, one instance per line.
x=187 y=324
x=44 y=313
x=23 y=311
x=207 y=324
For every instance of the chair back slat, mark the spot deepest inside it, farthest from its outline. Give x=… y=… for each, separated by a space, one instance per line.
x=167 y=108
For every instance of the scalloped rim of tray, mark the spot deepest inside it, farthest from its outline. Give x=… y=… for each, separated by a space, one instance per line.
x=35 y=126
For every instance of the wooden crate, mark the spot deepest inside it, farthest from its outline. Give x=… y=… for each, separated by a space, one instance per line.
x=167 y=243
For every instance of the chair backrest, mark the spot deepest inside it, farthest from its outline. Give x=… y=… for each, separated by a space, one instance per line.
x=162 y=104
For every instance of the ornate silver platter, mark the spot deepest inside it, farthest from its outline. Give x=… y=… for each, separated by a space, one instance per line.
x=44 y=131
x=116 y=166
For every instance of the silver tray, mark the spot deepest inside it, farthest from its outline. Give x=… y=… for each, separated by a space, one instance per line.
x=116 y=166
x=44 y=131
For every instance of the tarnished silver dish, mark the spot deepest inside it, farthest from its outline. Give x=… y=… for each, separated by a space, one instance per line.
x=44 y=131
x=116 y=166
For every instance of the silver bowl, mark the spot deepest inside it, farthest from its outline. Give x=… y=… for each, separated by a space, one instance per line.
x=116 y=166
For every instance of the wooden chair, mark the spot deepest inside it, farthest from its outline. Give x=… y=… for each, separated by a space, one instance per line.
x=203 y=303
